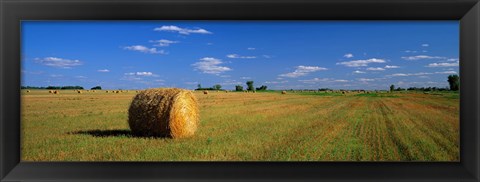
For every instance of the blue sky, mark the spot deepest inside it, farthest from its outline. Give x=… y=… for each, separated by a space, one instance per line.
x=280 y=54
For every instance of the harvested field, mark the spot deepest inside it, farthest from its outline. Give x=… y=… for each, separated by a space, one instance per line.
x=234 y=126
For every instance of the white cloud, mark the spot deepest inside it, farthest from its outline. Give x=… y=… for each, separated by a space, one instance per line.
x=391 y=66
x=421 y=73
x=358 y=63
x=184 y=31
x=267 y=56
x=210 y=65
x=443 y=64
x=245 y=78
x=276 y=82
x=236 y=56
x=412 y=58
x=58 y=62
x=251 y=48
x=366 y=79
x=55 y=76
x=410 y=51
x=425 y=45
x=302 y=71
x=376 y=69
x=231 y=82
x=163 y=42
x=446 y=72
x=359 y=72
x=348 y=55
x=81 y=77
x=104 y=70
x=141 y=48
x=140 y=74
x=453 y=60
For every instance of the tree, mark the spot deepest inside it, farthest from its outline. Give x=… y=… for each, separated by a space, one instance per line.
x=217 y=87
x=263 y=87
x=199 y=86
x=238 y=88
x=250 y=85
x=96 y=88
x=454 y=82
x=392 y=88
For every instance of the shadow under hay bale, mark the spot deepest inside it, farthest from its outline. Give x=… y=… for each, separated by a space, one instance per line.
x=168 y=112
x=110 y=133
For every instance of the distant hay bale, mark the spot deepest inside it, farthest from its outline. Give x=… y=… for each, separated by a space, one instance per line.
x=28 y=91
x=50 y=91
x=56 y=92
x=106 y=91
x=226 y=91
x=284 y=92
x=79 y=91
x=205 y=92
x=167 y=112
x=117 y=91
x=343 y=92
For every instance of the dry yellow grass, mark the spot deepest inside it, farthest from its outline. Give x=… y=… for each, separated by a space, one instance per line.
x=168 y=112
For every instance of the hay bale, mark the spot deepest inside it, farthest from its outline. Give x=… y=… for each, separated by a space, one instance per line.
x=117 y=91
x=79 y=91
x=56 y=92
x=284 y=92
x=106 y=91
x=226 y=91
x=168 y=112
x=28 y=91
x=205 y=92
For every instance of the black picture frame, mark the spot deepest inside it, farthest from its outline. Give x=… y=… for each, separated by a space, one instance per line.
x=14 y=11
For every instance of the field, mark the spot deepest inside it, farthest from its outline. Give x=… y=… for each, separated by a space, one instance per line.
x=268 y=126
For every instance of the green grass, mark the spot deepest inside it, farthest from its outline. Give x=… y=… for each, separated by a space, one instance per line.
x=262 y=126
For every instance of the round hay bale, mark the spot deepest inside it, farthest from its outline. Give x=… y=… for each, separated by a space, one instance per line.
x=167 y=112
x=28 y=91
x=50 y=91
x=226 y=91
x=205 y=92
x=117 y=91
x=56 y=92
x=284 y=92
x=79 y=92
x=106 y=91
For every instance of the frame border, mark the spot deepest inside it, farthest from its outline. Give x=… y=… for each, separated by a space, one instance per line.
x=13 y=11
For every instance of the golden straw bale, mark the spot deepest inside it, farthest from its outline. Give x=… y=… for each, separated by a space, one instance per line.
x=79 y=91
x=284 y=92
x=167 y=112
x=56 y=92
x=205 y=92
x=28 y=91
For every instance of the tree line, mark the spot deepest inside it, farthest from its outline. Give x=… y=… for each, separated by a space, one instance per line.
x=453 y=82
x=61 y=87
